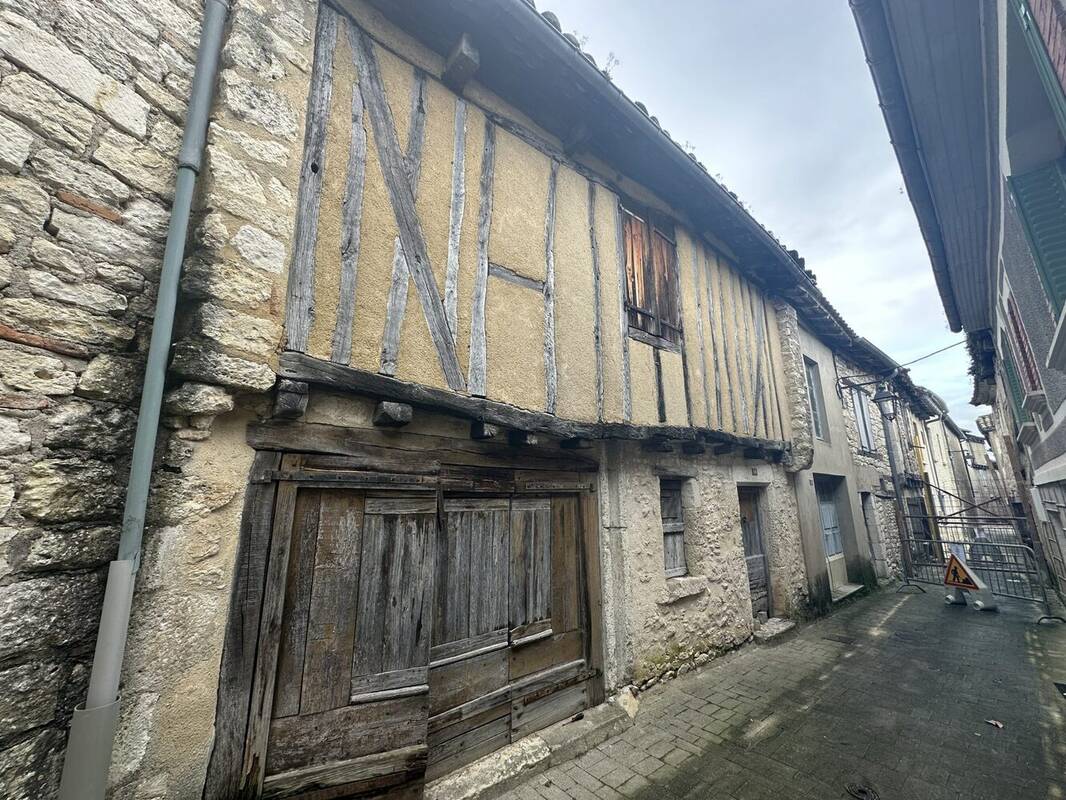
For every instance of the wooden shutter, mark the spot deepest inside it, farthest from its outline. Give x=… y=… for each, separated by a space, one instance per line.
x=862 y=419
x=1030 y=372
x=640 y=291
x=1040 y=197
x=1014 y=386
x=673 y=528
x=664 y=268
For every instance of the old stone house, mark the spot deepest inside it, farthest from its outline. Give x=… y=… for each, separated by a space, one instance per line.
x=484 y=399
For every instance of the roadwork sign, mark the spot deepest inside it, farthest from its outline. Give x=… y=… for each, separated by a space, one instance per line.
x=958 y=576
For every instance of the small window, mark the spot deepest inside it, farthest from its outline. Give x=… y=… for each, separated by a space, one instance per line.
x=651 y=279
x=673 y=528
x=862 y=419
x=814 y=397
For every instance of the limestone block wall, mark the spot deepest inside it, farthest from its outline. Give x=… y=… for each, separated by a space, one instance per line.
x=657 y=626
x=92 y=102
x=794 y=388
x=872 y=465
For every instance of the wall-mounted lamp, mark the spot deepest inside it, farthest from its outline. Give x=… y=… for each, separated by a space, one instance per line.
x=886 y=403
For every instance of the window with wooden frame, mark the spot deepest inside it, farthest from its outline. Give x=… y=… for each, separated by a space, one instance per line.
x=862 y=419
x=815 y=399
x=652 y=296
x=673 y=527
x=1030 y=375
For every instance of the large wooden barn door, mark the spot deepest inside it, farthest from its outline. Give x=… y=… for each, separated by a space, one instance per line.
x=406 y=631
x=350 y=706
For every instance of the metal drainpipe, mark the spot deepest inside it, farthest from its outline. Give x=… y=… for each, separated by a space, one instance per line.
x=92 y=730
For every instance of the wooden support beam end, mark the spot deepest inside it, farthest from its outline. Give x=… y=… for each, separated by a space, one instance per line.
x=462 y=64
x=290 y=401
x=483 y=430
x=388 y=414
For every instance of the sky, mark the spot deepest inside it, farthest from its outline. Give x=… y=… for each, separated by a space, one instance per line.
x=775 y=97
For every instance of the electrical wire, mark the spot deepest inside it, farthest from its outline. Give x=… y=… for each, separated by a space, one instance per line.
x=929 y=355
x=879 y=376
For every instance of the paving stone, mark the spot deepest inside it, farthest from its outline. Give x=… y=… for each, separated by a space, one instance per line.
x=803 y=718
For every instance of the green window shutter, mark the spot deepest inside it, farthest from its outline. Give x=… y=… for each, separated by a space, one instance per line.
x=1014 y=386
x=1040 y=196
x=1042 y=61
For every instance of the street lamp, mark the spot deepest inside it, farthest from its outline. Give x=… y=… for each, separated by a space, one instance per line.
x=886 y=404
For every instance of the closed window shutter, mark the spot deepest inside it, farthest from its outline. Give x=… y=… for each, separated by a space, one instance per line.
x=1040 y=196
x=673 y=528
x=1014 y=386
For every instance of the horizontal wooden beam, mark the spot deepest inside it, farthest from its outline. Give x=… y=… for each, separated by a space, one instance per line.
x=302 y=367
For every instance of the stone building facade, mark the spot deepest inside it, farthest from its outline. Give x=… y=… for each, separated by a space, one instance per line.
x=92 y=100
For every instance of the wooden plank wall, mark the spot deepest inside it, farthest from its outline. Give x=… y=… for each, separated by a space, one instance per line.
x=441 y=242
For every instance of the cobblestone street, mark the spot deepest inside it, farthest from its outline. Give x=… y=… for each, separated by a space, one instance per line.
x=891 y=693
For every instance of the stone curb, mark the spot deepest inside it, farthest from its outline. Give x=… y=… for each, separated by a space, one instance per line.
x=499 y=772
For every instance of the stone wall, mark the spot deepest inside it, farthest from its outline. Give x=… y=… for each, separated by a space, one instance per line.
x=92 y=100
x=872 y=467
x=795 y=386
x=671 y=624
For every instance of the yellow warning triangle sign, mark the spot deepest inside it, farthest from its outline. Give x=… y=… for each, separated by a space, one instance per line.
x=958 y=576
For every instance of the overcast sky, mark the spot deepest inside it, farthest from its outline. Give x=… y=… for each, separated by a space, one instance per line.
x=775 y=96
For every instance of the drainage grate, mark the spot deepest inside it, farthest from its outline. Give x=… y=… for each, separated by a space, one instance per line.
x=1061 y=688
x=862 y=792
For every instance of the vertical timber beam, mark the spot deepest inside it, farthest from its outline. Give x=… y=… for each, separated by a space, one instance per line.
x=597 y=312
x=477 y=370
x=397 y=302
x=351 y=220
x=551 y=375
x=696 y=249
x=300 y=304
x=623 y=316
x=455 y=220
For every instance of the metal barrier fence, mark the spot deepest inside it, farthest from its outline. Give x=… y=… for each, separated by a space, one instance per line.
x=987 y=536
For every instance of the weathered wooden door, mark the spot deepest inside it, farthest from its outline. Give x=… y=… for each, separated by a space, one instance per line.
x=754 y=551
x=509 y=652
x=406 y=628
x=350 y=691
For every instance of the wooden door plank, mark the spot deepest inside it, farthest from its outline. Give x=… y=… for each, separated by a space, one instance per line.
x=565 y=564
x=462 y=681
x=558 y=649
x=527 y=718
x=331 y=622
x=376 y=555
x=490 y=547
x=343 y=733
x=237 y=670
x=453 y=601
x=592 y=592
x=354 y=775
x=297 y=602
x=262 y=694
x=469 y=746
